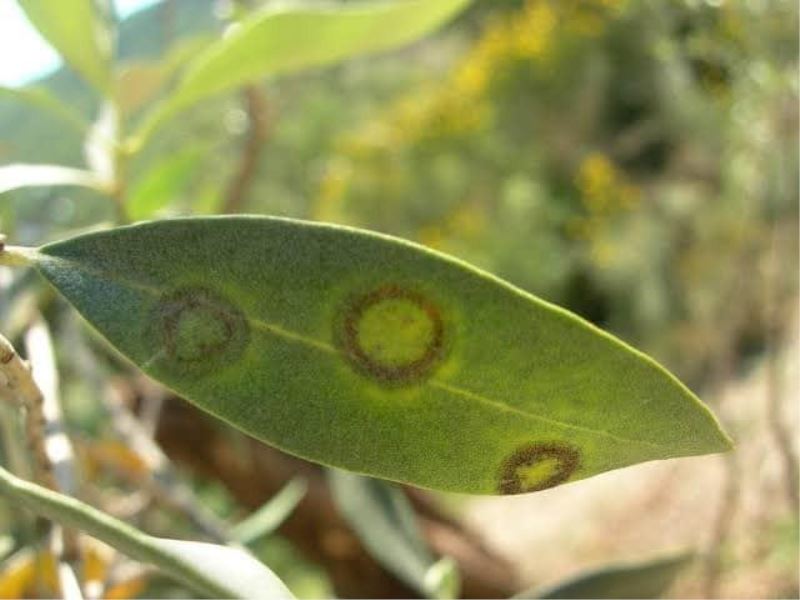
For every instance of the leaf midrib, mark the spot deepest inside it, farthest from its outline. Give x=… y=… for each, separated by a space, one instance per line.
x=288 y=334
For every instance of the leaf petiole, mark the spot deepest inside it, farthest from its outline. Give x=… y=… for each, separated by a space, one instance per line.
x=15 y=256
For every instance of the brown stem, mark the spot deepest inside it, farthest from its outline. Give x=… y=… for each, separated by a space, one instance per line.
x=257 y=131
x=773 y=323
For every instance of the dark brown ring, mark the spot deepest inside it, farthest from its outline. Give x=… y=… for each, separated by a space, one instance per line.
x=408 y=372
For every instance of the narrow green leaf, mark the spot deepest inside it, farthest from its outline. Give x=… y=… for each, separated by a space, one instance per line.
x=372 y=354
x=18 y=176
x=385 y=522
x=651 y=579
x=212 y=570
x=272 y=514
x=77 y=32
x=43 y=100
x=163 y=183
x=280 y=39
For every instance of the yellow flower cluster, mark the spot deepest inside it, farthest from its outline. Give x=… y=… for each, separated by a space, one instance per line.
x=461 y=104
x=466 y=221
x=604 y=190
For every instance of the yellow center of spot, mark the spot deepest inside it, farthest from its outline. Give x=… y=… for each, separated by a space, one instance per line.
x=531 y=476
x=199 y=331
x=395 y=332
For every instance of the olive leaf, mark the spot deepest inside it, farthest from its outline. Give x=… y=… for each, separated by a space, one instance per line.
x=283 y=38
x=384 y=520
x=210 y=569
x=375 y=355
x=650 y=579
x=78 y=32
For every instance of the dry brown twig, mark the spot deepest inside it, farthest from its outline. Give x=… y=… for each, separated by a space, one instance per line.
x=34 y=388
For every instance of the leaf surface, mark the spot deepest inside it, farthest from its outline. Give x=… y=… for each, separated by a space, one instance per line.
x=272 y=513
x=16 y=176
x=651 y=579
x=385 y=522
x=290 y=37
x=375 y=355
x=77 y=32
x=213 y=570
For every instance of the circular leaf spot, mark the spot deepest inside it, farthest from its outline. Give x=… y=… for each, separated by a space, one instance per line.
x=200 y=329
x=537 y=467
x=393 y=334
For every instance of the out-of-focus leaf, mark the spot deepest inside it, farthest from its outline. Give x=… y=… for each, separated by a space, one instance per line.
x=270 y=516
x=369 y=353
x=6 y=545
x=649 y=579
x=385 y=522
x=16 y=176
x=78 y=33
x=163 y=183
x=218 y=571
x=289 y=37
x=43 y=100
x=443 y=578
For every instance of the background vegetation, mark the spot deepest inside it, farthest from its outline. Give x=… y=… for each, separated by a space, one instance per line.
x=633 y=161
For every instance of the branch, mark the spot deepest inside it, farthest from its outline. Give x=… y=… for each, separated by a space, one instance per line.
x=257 y=132
x=36 y=390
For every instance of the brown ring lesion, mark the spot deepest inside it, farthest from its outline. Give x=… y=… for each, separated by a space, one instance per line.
x=391 y=374
x=227 y=343
x=566 y=457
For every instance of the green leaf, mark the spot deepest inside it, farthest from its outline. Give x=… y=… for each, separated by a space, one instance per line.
x=77 y=32
x=163 y=183
x=212 y=570
x=270 y=516
x=18 y=176
x=285 y=38
x=42 y=99
x=650 y=579
x=372 y=354
x=386 y=524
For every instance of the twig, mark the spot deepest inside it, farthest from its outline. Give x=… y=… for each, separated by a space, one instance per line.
x=54 y=447
x=162 y=482
x=257 y=132
x=772 y=304
x=36 y=392
x=722 y=525
x=59 y=457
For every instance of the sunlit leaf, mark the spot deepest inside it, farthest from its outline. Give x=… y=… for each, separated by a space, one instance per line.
x=279 y=39
x=272 y=514
x=650 y=579
x=77 y=32
x=385 y=522
x=373 y=354
x=217 y=571
x=16 y=176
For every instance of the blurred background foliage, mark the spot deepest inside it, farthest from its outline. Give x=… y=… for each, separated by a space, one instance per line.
x=619 y=158
x=633 y=161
